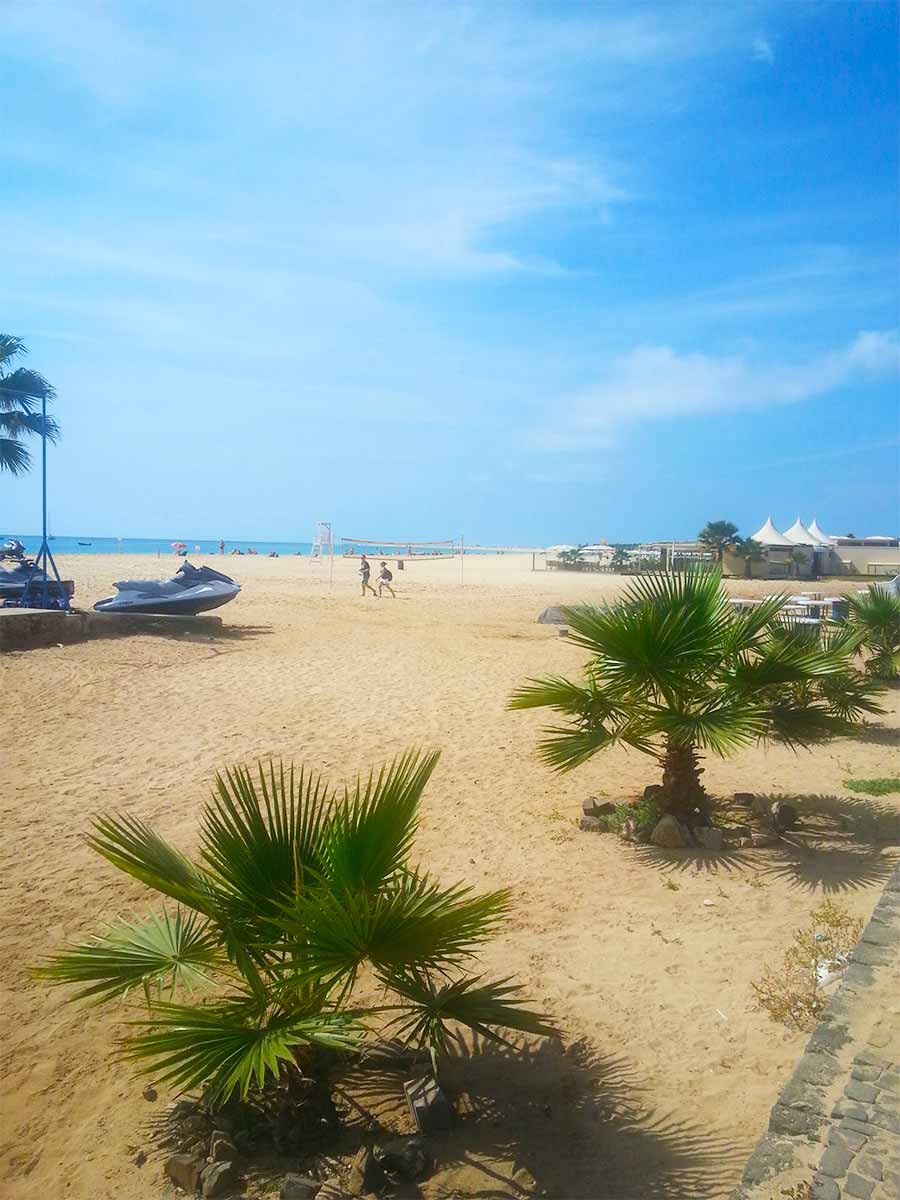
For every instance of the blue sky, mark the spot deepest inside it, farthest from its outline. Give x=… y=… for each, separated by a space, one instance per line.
x=529 y=272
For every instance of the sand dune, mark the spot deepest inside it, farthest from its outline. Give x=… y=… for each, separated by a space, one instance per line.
x=667 y=1072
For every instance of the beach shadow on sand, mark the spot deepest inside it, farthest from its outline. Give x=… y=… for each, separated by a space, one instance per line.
x=841 y=844
x=558 y=1121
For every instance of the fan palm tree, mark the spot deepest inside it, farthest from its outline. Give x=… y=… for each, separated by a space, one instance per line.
x=717 y=535
x=875 y=615
x=750 y=552
x=21 y=393
x=296 y=891
x=675 y=672
x=796 y=560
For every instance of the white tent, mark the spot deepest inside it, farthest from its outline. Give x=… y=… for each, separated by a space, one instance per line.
x=769 y=536
x=799 y=534
x=821 y=538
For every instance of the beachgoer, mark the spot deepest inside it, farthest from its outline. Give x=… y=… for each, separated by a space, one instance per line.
x=365 y=570
x=384 y=579
x=221 y=545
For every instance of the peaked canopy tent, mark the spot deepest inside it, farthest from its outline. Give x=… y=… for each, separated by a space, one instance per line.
x=822 y=539
x=768 y=535
x=799 y=535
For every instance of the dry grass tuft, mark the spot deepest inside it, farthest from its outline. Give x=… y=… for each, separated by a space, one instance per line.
x=794 y=993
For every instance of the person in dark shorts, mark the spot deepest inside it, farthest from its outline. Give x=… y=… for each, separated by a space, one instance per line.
x=384 y=579
x=365 y=570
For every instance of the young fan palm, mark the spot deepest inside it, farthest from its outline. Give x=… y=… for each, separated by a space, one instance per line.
x=750 y=552
x=676 y=673
x=21 y=392
x=297 y=889
x=875 y=615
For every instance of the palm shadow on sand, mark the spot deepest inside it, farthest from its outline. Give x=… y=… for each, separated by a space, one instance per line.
x=841 y=844
x=558 y=1121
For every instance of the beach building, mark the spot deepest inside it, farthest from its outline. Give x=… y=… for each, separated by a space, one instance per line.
x=807 y=552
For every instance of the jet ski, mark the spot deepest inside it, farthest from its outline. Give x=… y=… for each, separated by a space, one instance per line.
x=14 y=580
x=193 y=590
x=12 y=548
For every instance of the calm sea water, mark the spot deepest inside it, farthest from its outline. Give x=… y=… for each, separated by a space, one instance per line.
x=163 y=546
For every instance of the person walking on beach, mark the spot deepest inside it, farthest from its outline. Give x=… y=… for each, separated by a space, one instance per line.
x=365 y=570
x=384 y=579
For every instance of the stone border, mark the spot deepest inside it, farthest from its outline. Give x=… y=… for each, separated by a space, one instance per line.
x=29 y=628
x=815 y=1104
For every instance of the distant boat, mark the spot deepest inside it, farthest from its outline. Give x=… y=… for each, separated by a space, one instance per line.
x=85 y=543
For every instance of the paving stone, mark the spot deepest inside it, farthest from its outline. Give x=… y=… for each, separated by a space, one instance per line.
x=866 y=1074
x=878 y=933
x=825 y=1189
x=864 y=1092
x=891 y=1081
x=795 y=1121
x=886 y=1120
x=846 y=1108
x=869 y=1166
x=873 y=954
x=857 y=1126
x=846 y=1138
x=835 y=1162
x=855 y=1185
x=869 y=1058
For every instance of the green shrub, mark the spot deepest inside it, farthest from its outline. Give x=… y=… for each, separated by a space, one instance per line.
x=645 y=813
x=874 y=787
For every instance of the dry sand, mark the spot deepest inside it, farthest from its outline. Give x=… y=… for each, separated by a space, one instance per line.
x=666 y=1073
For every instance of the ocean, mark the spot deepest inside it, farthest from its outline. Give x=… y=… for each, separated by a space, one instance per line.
x=86 y=544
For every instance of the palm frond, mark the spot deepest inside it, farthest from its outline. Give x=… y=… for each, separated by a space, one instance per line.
x=721 y=726
x=261 y=842
x=25 y=389
x=368 y=835
x=14 y=457
x=134 y=848
x=10 y=348
x=483 y=1007
x=226 y=1049
x=161 y=951
x=329 y=935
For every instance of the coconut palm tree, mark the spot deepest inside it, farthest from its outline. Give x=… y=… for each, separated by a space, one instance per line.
x=21 y=393
x=875 y=615
x=619 y=557
x=297 y=890
x=750 y=552
x=676 y=673
x=717 y=535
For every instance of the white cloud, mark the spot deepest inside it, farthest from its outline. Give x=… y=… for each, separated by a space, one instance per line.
x=654 y=383
x=762 y=50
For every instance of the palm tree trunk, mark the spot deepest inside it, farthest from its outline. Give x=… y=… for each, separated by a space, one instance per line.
x=683 y=795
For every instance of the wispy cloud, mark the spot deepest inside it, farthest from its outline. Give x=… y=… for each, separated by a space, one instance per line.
x=762 y=50
x=656 y=383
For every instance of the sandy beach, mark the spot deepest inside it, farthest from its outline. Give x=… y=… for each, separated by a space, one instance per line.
x=666 y=1072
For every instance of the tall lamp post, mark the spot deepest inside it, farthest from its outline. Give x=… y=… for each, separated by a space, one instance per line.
x=40 y=592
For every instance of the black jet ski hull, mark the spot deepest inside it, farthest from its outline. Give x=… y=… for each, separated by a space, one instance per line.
x=177 y=606
x=193 y=590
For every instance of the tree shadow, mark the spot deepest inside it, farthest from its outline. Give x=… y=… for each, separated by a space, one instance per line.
x=564 y=1122
x=841 y=844
x=878 y=735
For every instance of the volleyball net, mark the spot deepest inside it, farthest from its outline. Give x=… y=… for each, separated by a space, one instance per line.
x=353 y=547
